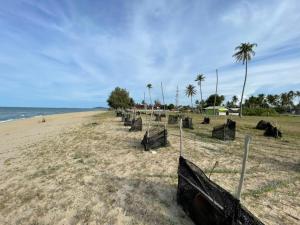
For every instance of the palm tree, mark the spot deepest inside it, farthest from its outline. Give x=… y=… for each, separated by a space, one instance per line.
x=190 y=91
x=234 y=100
x=199 y=79
x=149 y=86
x=244 y=53
x=298 y=95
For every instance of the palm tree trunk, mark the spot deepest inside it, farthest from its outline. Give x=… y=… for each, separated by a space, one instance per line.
x=192 y=102
x=150 y=96
x=216 y=92
x=241 y=103
x=201 y=98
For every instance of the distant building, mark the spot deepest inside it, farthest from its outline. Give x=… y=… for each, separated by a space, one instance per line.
x=222 y=111
x=219 y=110
x=234 y=111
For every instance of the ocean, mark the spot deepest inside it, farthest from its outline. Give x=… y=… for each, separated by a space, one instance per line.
x=13 y=113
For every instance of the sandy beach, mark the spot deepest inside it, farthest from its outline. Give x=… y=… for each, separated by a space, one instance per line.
x=86 y=168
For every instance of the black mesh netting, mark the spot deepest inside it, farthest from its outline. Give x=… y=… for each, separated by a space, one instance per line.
x=173 y=119
x=270 y=130
x=206 y=120
x=127 y=120
x=206 y=202
x=157 y=117
x=225 y=131
x=119 y=113
x=262 y=125
x=158 y=137
x=187 y=122
x=136 y=125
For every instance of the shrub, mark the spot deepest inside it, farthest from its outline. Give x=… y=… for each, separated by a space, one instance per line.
x=259 y=112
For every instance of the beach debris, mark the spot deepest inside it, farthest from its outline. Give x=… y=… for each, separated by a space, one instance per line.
x=136 y=124
x=206 y=202
x=206 y=120
x=43 y=120
x=156 y=138
x=173 y=119
x=226 y=131
x=154 y=152
x=187 y=122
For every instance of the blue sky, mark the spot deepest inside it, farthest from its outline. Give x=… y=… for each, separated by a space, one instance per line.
x=73 y=53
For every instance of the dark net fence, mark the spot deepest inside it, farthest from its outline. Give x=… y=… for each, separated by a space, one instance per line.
x=225 y=131
x=157 y=117
x=173 y=119
x=136 y=125
x=262 y=125
x=270 y=130
x=157 y=137
x=206 y=120
x=119 y=113
x=187 y=122
x=206 y=202
x=127 y=119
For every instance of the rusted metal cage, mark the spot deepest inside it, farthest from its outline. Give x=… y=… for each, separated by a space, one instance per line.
x=226 y=131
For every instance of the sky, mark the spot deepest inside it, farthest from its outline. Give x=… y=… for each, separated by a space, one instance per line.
x=74 y=53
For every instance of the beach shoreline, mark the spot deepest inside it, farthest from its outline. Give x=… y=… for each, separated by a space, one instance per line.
x=17 y=133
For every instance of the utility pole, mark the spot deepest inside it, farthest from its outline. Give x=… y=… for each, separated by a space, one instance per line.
x=177 y=95
x=216 y=92
x=144 y=102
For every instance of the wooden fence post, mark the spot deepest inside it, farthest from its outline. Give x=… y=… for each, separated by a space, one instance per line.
x=246 y=151
x=181 y=146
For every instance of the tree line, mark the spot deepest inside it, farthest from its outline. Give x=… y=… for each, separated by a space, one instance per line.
x=284 y=102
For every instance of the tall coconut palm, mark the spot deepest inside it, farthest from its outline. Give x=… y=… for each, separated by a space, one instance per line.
x=199 y=79
x=244 y=53
x=190 y=91
x=234 y=100
x=298 y=95
x=149 y=86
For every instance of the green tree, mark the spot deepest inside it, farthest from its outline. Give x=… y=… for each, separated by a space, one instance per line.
x=119 y=98
x=199 y=79
x=149 y=86
x=157 y=103
x=298 y=96
x=234 y=100
x=271 y=100
x=190 y=91
x=219 y=99
x=244 y=53
x=171 y=106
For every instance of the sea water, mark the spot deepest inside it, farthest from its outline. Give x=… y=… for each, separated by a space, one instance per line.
x=13 y=113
